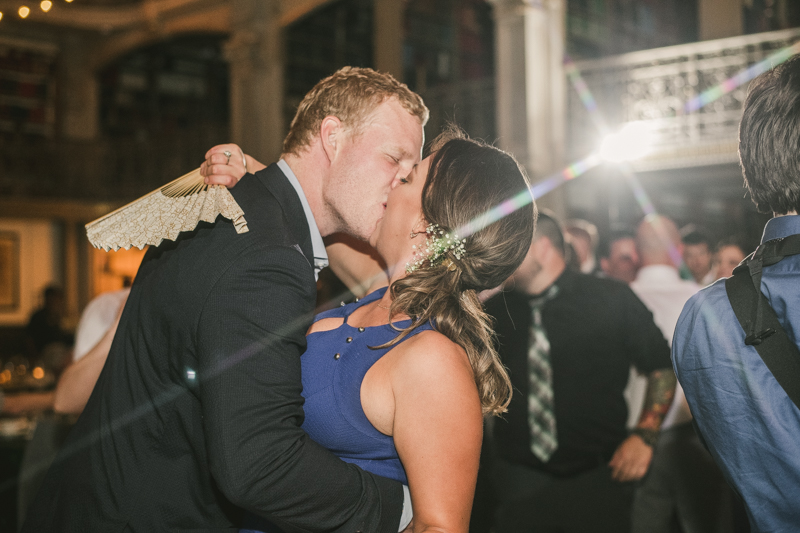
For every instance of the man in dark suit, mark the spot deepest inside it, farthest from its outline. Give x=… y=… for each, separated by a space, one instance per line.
x=196 y=415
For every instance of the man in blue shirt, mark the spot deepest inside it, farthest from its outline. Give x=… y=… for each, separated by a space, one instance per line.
x=750 y=425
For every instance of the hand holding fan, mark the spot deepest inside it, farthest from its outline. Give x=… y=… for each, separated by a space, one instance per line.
x=164 y=213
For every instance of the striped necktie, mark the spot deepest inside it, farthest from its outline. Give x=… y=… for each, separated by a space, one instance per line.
x=541 y=414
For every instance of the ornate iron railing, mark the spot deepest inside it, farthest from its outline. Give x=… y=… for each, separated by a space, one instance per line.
x=656 y=85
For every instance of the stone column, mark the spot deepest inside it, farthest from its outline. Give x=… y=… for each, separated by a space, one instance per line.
x=388 y=36
x=72 y=274
x=719 y=18
x=531 y=87
x=255 y=55
x=79 y=92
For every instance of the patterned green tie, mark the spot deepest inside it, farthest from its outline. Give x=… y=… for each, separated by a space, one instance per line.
x=541 y=414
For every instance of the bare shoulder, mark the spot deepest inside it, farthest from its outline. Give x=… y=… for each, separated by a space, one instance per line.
x=431 y=356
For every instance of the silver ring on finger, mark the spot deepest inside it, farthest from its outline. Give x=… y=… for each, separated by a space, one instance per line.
x=228 y=155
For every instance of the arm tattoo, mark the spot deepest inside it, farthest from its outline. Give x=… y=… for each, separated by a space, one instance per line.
x=660 y=391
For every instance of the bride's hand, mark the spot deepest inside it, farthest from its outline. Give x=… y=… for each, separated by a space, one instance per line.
x=226 y=164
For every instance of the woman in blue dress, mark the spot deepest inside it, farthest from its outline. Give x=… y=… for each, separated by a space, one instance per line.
x=398 y=382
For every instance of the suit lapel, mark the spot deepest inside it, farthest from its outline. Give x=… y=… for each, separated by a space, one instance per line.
x=278 y=184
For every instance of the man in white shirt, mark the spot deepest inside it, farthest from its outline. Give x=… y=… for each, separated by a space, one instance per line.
x=683 y=483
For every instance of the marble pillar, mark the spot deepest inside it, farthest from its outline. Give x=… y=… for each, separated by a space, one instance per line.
x=256 y=59
x=531 y=87
x=79 y=92
x=388 y=36
x=719 y=18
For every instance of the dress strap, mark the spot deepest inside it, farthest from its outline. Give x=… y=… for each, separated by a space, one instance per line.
x=346 y=310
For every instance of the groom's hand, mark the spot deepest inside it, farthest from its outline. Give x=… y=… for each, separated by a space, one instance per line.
x=221 y=169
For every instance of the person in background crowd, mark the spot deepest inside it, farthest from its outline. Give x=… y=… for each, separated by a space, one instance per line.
x=683 y=486
x=727 y=257
x=750 y=424
x=565 y=460
x=697 y=255
x=583 y=237
x=618 y=256
x=571 y=257
x=44 y=327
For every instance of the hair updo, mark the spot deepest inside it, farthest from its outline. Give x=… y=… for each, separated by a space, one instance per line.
x=466 y=179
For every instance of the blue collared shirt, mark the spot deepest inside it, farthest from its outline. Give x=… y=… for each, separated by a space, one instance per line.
x=750 y=425
x=318 y=247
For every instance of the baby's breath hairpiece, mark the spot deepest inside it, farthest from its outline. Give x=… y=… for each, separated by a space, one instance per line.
x=437 y=244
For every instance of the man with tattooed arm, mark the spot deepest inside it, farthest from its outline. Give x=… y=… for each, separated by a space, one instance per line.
x=564 y=458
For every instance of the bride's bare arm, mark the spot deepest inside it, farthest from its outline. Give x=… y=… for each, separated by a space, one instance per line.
x=76 y=384
x=437 y=430
x=356 y=263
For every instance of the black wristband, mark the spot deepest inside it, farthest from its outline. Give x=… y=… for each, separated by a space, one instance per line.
x=649 y=436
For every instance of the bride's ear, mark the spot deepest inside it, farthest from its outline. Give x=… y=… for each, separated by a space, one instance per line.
x=419 y=228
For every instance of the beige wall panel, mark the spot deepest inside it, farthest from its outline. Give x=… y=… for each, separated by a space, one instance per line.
x=40 y=264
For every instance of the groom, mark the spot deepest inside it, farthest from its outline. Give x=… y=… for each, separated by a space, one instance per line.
x=196 y=415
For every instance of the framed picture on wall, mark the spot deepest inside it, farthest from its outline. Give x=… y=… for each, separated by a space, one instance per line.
x=9 y=271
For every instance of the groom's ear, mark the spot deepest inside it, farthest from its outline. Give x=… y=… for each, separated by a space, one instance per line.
x=330 y=134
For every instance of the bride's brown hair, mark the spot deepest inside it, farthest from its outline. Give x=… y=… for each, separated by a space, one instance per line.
x=466 y=179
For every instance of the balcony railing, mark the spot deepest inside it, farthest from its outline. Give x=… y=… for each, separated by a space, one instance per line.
x=655 y=86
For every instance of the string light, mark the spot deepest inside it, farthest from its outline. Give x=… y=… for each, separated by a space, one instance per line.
x=25 y=11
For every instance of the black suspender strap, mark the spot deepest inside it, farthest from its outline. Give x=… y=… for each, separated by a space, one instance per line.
x=762 y=329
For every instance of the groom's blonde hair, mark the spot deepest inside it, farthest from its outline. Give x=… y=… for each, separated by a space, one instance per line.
x=350 y=94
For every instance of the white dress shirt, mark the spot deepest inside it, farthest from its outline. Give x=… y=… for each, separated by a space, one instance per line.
x=317 y=245
x=664 y=293
x=96 y=319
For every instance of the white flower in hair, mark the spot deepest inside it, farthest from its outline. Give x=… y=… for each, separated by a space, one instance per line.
x=434 y=251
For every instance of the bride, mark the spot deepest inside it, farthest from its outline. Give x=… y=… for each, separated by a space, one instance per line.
x=397 y=382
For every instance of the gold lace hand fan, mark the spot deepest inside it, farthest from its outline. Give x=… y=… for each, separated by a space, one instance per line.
x=164 y=213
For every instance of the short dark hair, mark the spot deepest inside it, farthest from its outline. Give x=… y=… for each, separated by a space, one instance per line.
x=769 y=139
x=695 y=236
x=53 y=291
x=548 y=226
x=733 y=240
x=604 y=248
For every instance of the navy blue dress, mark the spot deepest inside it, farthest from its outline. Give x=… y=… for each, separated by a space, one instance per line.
x=333 y=368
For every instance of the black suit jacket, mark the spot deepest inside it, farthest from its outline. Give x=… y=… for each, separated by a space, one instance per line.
x=196 y=415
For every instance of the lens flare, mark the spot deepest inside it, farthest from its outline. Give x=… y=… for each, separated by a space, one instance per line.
x=739 y=79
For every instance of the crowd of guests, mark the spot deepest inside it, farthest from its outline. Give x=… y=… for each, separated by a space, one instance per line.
x=603 y=311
